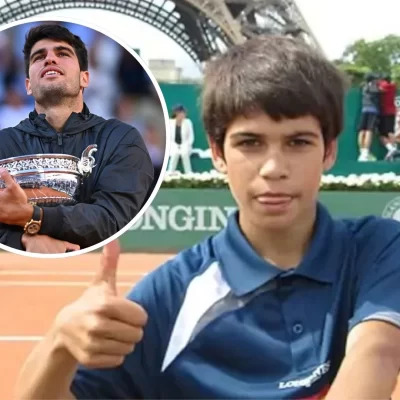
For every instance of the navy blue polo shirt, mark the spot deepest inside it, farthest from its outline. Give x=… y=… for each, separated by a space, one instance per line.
x=223 y=323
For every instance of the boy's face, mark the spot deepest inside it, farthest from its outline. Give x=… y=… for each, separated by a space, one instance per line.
x=274 y=168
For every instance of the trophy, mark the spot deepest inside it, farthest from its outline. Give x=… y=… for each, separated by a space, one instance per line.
x=50 y=179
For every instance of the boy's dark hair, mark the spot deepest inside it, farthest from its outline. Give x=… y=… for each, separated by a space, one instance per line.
x=281 y=76
x=58 y=33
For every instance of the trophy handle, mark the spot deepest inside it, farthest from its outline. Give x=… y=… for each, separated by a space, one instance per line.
x=87 y=161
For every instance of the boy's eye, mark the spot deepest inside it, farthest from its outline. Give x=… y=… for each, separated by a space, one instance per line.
x=249 y=143
x=64 y=54
x=299 y=142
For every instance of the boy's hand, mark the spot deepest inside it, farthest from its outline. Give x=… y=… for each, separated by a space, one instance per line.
x=100 y=328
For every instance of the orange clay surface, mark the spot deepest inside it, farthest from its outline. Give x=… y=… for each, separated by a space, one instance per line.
x=32 y=291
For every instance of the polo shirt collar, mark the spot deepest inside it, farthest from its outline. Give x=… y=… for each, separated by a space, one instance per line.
x=245 y=270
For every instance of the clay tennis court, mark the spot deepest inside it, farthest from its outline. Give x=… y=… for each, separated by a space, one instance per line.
x=32 y=291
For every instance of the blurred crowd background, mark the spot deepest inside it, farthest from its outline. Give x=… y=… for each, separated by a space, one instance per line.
x=119 y=86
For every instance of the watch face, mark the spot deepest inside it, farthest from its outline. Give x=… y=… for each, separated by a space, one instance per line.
x=33 y=228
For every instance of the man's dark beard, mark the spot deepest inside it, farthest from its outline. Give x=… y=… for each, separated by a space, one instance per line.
x=55 y=96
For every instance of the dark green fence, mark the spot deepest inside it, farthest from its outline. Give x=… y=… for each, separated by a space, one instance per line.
x=181 y=217
x=189 y=95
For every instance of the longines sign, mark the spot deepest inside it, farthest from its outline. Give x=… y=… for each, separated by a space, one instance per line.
x=181 y=218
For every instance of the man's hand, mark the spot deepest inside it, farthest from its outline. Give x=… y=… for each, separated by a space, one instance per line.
x=100 y=328
x=14 y=206
x=44 y=244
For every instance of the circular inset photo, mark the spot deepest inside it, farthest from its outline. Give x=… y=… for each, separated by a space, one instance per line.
x=83 y=143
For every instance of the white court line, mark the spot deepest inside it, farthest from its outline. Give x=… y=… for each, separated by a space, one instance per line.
x=20 y=338
x=64 y=273
x=55 y=283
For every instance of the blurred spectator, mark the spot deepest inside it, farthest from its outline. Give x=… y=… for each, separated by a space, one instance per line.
x=119 y=86
x=13 y=109
x=8 y=65
x=182 y=138
x=369 y=116
x=388 y=115
x=103 y=92
x=132 y=78
x=155 y=147
x=3 y=63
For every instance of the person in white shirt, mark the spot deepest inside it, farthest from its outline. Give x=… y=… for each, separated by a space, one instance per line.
x=182 y=138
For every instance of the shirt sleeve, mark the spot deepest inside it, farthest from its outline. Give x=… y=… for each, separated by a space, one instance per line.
x=378 y=285
x=11 y=236
x=139 y=376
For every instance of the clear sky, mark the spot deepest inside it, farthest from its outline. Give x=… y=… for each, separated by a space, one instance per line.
x=335 y=23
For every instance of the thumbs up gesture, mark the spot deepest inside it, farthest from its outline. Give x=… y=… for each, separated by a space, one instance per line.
x=101 y=328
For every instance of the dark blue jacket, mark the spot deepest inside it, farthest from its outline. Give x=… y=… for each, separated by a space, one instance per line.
x=112 y=194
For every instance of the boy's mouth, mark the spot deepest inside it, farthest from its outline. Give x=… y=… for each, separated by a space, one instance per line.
x=278 y=196
x=274 y=199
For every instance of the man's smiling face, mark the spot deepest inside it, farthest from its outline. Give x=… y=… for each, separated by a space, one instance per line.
x=54 y=71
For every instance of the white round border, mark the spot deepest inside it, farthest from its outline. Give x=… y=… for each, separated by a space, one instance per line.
x=167 y=132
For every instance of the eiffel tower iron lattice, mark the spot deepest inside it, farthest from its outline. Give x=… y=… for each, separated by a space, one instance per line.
x=202 y=28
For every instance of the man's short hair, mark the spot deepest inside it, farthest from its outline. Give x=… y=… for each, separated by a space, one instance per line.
x=281 y=76
x=58 y=33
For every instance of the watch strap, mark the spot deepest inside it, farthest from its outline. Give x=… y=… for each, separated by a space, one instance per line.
x=36 y=216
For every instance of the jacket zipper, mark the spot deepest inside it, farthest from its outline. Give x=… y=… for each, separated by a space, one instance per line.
x=60 y=140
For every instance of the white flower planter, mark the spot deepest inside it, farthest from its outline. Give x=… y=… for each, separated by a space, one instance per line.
x=328 y=181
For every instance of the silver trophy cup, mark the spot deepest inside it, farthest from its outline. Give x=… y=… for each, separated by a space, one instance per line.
x=50 y=179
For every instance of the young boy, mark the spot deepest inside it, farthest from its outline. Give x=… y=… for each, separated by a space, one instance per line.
x=283 y=303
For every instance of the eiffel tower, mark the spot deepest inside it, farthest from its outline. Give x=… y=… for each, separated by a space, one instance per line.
x=202 y=28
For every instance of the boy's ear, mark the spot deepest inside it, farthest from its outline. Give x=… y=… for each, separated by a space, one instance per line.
x=330 y=155
x=217 y=157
